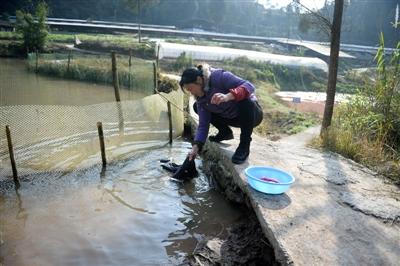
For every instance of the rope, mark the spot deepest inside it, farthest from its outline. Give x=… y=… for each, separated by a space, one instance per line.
x=183 y=111
x=177 y=107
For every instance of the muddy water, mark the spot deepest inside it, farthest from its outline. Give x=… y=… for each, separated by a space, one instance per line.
x=18 y=86
x=132 y=213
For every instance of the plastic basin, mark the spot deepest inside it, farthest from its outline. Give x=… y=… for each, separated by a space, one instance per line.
x=255 y=173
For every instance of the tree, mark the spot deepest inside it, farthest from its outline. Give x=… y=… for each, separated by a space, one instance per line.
x=312 y=18
x=136 y=7
x=366 y=19
x=333 y=65
x=34 y=31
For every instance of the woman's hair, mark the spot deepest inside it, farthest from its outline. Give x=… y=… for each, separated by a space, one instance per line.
x=190 y=75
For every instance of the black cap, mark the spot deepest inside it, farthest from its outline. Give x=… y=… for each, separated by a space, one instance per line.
x=190 y=75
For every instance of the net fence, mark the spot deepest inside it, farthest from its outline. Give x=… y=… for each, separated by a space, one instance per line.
x=60 y=133
x=133 y=73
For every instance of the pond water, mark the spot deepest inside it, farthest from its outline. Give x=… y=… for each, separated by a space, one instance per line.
x=132 y=213
x=18 y=86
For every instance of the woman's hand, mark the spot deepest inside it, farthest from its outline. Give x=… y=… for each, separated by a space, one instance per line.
x=218 y=98
x=193 y=153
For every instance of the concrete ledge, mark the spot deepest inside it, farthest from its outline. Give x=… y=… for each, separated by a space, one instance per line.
x=217 y=164
x=337 y=212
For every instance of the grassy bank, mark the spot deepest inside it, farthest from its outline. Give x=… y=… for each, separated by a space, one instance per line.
x=280 y=119
x=123 y=44
x=10 y=35
x=11 y=48
x=362 y=146
x=282 y=77
x=96 y=69
x=367 y=128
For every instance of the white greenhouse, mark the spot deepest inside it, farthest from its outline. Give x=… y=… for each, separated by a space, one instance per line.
x=213 y=53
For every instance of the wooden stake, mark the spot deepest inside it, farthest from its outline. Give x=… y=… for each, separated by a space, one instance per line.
x=158 y=54
x=102 y=147
x=130 y=57
x=12 y=159
x=116 y=91
x=130 y=64
x=37 y=61
x=155 y=78
x=170 y=121
x=115 y=76
x=69 y=60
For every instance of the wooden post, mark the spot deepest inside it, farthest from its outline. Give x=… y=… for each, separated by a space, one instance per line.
x=158 y=54
x=102 y=147
x=170 y=121
x=69 y=60
x=115 y=76
x=140 y=21
x=130 y=64
x=130 y=57
x=155 y=78
x=116 y=91
x=37 y=61
x=12 y=159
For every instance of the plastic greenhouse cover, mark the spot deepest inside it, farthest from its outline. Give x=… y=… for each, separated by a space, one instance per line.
x=213 y=53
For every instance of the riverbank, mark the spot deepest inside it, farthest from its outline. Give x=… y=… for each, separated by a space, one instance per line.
x=11 y=44
x=133 y=73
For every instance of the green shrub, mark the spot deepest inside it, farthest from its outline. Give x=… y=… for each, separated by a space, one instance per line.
x=182 y=62
x=367 y=128
x=11 y=48
x=34 y=32
x=9 y=35
x=286 y=78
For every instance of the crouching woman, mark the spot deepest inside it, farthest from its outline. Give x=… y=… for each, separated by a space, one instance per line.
x=223 y=100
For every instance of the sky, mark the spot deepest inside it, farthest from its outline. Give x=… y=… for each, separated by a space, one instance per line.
x=312 y=4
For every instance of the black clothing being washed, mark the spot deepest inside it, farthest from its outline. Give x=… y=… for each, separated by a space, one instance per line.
x=184 y=172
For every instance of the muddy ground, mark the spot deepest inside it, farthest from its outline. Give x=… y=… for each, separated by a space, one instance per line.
x=245 y=245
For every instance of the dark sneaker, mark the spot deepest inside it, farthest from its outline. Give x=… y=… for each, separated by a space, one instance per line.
x=241 y=154
x=221 y=136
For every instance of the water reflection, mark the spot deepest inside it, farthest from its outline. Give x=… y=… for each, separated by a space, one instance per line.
x=130 y=213
x=205 y=214
x=18 y=86
x=21 y=214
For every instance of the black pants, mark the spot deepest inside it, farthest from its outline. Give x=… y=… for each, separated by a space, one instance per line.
x=249 y=116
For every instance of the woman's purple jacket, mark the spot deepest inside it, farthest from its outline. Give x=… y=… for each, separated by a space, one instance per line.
x=220 y=81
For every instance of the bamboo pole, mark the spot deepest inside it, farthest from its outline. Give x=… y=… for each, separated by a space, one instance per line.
x=12 y=159
x=170 y=121
x=102 y=146
x=155 y=78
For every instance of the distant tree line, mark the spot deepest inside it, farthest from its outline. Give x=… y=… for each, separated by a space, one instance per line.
x=362 y=22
